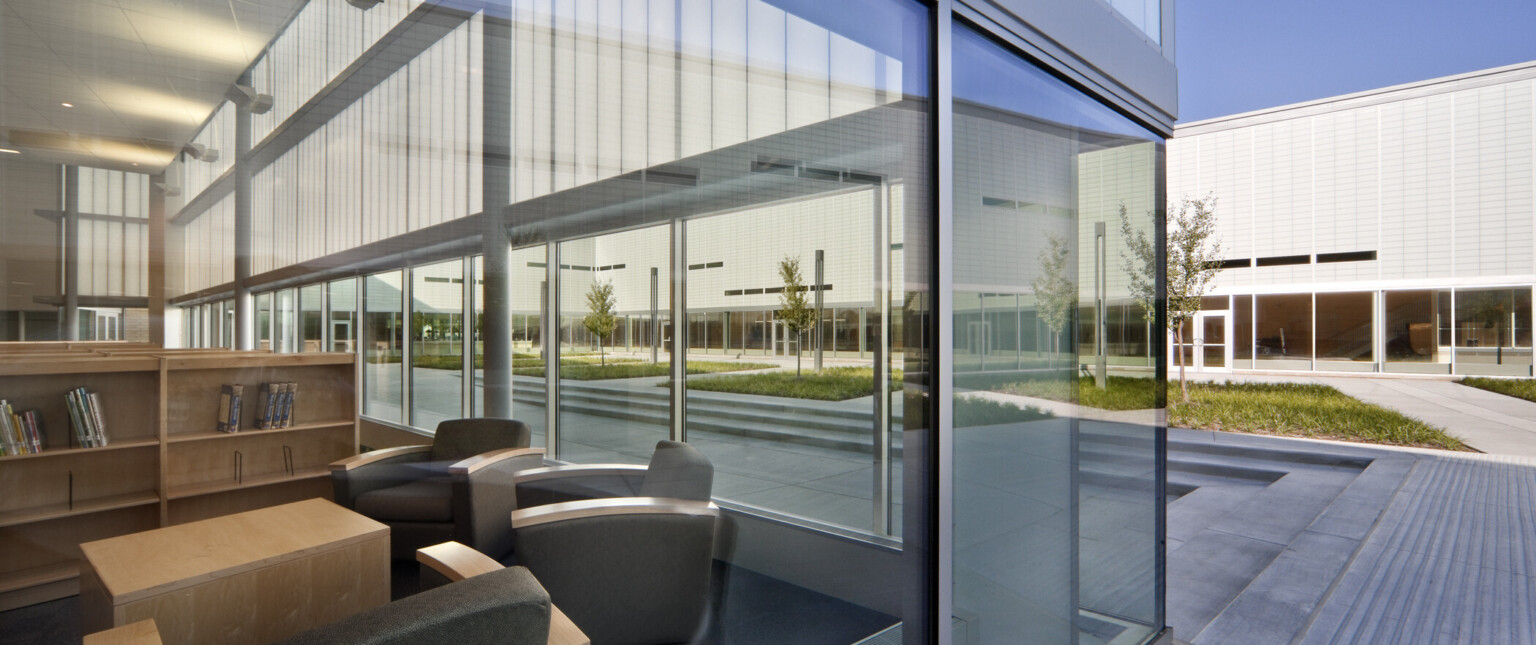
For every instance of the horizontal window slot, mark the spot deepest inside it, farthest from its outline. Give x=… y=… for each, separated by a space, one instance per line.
x=1348 y=256
x=1283 y=260
x=1242 y=263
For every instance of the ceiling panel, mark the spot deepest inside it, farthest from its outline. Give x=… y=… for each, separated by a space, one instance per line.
x=142 y=74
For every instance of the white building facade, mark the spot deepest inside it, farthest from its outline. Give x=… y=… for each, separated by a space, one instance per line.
x=1383 y=231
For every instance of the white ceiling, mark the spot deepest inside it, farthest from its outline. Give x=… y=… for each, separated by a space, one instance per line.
x=142 y=74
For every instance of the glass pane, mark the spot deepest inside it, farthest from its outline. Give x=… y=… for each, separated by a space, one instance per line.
x=286 y=333
x=1412 y=343
x=263 y=321
x=437 y=343
x=1344 y=325
x=1242 y=331
x=383 y=345
x=1044 y=502
x=1283 y=327
x=1215 y=339
x=341 y=302
x=1493 y=331
x=613 y=403
x=528 y=301
x=311 y=318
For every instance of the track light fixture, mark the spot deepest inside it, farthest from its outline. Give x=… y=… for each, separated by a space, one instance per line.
x=167 y=189
x=247 y=97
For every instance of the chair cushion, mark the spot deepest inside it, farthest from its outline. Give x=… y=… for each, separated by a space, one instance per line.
x=423 y=500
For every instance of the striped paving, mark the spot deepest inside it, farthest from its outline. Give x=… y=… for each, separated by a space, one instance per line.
x=1419 y=546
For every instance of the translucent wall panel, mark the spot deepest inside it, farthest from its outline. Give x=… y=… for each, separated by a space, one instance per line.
x=437 y=343
x=209 y=247
x=217 y=139
x=114 y=254
x=1047 y=502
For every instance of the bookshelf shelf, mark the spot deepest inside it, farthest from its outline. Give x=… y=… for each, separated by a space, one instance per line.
x=160 y=411
x=183 y=492
x=246 y=433
x=124 y=444
x=35 y=576
x=80 y=507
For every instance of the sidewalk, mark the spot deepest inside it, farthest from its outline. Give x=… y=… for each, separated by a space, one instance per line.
x=1489 y=422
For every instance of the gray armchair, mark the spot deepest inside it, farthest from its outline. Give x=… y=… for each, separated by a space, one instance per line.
x=677 y=471
x=503 y=606
x=632 y=570
x=459 y=488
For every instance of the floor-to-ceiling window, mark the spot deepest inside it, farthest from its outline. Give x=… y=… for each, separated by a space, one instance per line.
x=383 y=344
x=437 y=343
x=1055 y=503
x=1493 y=331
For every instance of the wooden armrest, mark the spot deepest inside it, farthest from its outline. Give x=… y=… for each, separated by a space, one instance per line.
x=526 y=517
x=456 y=561
x=562 y=631
x=373 y=456
x=484 y=459
x=581 y=470
x=144 y=632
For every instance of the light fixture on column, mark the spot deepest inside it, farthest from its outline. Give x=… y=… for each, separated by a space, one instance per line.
x=201 y=152
x=167 y=189
x=247 y=97
x=364 y=4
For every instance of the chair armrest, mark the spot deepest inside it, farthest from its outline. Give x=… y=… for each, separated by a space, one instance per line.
x=456 y=561
x=580 y=470
x=550 y=513
x=375 y=456
x=486 y=459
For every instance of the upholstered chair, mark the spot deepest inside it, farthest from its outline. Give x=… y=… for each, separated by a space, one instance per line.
x=676 y=471
x=461 y=487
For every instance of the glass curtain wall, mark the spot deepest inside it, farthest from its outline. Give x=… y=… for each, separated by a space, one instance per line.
x=264 y=322
x=1283 y=331
x=284 y=313
x=341 y=317
x=437 y=343
x=1493 y=331
x=383 y=336
x=613 y=402
x=1055 y=513
x=1345 y=331
x=528 y=278
x=312 y=318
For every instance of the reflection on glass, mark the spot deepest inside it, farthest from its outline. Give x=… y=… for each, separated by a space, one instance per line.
x=1344 y=326
x=341 y=321
x=284 y=312
x=1242 y=331
x=1283 y=331
x=383 y=345
x=1214 y=339
x=613 y=400
x=1044 y=287
x=437 y=343
x=263 y=321
x=1411 y=342
x=1493 y=331
x=528 y=300
x=311 y=318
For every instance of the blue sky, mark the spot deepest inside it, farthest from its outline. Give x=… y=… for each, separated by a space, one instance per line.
x=1242 y=55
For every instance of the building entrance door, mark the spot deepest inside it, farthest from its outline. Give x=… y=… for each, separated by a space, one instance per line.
x=1213 y=341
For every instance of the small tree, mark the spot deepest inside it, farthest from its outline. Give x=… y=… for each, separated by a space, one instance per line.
x=600 y=319
x=1193 y=261
x=795 y=313
x=1055 y=293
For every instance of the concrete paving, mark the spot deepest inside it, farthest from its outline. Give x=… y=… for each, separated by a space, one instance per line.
x=1491 y=423
x=1418 y=546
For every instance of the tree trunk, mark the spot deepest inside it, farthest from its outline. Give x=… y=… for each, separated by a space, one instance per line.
x=602 y=358
x=1178 y=349
x=798 y=337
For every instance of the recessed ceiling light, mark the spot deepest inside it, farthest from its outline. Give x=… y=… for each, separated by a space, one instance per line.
x=135 y=163
x=67 y=104
x=10 y=151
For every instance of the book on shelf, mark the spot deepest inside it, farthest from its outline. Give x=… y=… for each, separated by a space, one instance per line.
x=85 y=414
x=274 y=403
x=229 y=407
x=19 y=433
x=32 y=420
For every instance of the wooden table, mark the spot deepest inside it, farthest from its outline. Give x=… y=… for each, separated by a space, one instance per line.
x=251 y=577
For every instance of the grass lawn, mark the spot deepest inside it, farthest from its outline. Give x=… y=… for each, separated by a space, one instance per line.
x=973 y=412
x=588 y=369
x=1295 y=410
x=1520 y=388
x=832 y=384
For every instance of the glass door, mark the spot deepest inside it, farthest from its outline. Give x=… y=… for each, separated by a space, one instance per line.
x=1212 y=341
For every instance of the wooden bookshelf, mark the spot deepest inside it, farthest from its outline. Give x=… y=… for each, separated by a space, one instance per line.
x=165 y=462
